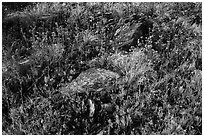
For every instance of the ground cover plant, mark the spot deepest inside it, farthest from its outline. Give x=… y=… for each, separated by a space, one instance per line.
x=102 y=68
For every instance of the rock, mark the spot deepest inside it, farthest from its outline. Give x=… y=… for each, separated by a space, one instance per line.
x=93 y=79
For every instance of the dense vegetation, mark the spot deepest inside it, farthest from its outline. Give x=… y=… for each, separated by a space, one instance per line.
x=156 y=48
